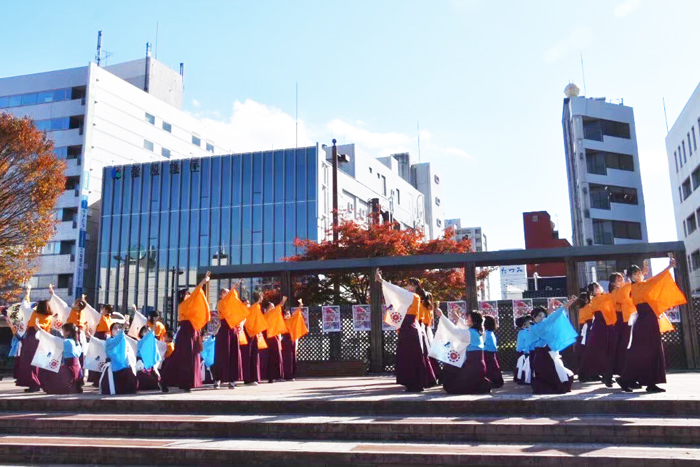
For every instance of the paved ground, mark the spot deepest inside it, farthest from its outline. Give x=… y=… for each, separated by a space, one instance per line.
x=681 y=386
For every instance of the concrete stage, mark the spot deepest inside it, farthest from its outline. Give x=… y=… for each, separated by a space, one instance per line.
x=356 y=421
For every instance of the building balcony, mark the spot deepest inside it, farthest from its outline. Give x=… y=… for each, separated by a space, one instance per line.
x=69 y=199
x=56 y=264
x=66 y=230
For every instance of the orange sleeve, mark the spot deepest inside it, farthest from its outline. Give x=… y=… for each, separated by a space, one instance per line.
x=275 y=322
x=77 y=318
x=170 y=349
x=104 y=324
x=414 y=309
x=255 y=323
x=231 y=309
x=426 y=315
x=297 y=325
x=44 y=321
x=606 y=305
x=660 y=292
x=195 y=309
x=585 y=313
x=623 y=301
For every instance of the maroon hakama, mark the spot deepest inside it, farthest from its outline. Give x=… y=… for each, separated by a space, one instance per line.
x=68 y=379
x=184 y=369
x=493 y=369
x=470 y=379
x=124 y=382
x=228 y=367
x=545 y=379
x=644 y=362
x=271 y=363
x=27 y=375
x=597 y=360
x=289 y=357
x=251 y=361
x=147 y=380
x=410 y=362
x=622 y=339
x=94 y=376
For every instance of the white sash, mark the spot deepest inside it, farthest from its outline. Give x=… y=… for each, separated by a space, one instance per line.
x=584 y=332
x=633 y=319
x=110 y=378
x=563 y=372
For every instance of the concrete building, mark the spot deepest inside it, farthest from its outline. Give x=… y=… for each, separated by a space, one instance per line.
x=161 y=220
x=684 y=171
x=549 y=279
x=121 y=114
x=479 y=243
x=605 y=185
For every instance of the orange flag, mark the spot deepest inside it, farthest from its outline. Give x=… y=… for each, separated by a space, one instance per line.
x=660 y=292
x=255 y=323
x=231 y=309
x=297 y=325
x=665 y=324
x=606 y=305
x=623 y=300
x=275 y=322
x=195 y=309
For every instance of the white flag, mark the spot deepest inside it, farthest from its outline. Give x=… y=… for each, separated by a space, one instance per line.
x=26 y=309
x=131 y=352
x=162 y=348
x=61 y=310
x=49 y=352
x=96 y=355
x=93 y=317
x=449 y=347
x=400 y=300
x=137 y=323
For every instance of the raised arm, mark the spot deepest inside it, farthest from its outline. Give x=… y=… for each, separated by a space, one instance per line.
x=282 y=303
x=205 y=279
x=462 y=334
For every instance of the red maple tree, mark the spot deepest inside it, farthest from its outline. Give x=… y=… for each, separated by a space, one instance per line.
x=372 y=239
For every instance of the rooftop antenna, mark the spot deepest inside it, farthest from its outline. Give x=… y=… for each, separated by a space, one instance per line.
x=583 y=76
x=418 y=130
x=156 y=40
x=182 y=73
x=99 y=47
x=663 y=99
x=296 y=121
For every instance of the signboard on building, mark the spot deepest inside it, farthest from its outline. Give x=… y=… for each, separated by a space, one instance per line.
x=82 y=235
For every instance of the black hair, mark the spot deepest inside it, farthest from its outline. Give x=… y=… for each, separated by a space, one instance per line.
x=143 y=328
x=489 y=323
x=72 y=332
x=113 y=325
x=425 y=297
x=524 y=319
x=590 y=288
x=612 y=279
x=634 y=269
x=153 y=315
x=477 y=321
x=256 y=297
x=170 y=333
x=109 y=309
x=80 y=304
x=537 y=311
x=519 y=322
x=43 y=308
x=181 y=295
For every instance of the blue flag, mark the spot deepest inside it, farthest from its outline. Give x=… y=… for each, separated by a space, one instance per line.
x=147 y=350
x=556 y=330
x=116 y=352
x=208 y=351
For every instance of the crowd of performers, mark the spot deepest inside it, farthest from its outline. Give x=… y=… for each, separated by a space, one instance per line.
x=620 y=335
x=255 y=341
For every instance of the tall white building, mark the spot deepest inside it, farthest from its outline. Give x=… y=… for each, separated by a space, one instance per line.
x=479 y=243
x=684 y=170
x=409 y=194
x=96 y=117
x=605 y=185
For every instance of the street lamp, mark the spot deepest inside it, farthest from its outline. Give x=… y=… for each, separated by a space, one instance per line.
x=173 y=292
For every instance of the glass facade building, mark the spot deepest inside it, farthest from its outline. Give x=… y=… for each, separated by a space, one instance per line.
x=161 y=221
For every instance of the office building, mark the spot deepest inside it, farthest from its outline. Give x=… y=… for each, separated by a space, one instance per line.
x=96 y=117
x=478 y=243
x=547 y=279
x=684 y=171
x=605 y=185
x=163 y=220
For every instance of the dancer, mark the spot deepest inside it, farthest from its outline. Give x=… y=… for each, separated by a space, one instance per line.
x=254 y=325
x=621 y=292
x=493 y=369
x=117 y=377
x=410 y=362
x=155 y=325
x=147 y=376
x=597 y=360
x=27 y=375
x=425 y=321
x=471 y=377
x=102 y=333
x=69 y=379
x=585 y=321
x=644 y=362
x=274 y=317
x=522 y=373
x=228 y=363
x=549 y=335
x=184 y=370
x=296 y=329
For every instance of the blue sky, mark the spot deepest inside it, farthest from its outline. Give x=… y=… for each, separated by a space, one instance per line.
x=484 y=78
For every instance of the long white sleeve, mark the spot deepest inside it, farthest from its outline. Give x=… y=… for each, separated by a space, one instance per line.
x=463 y=334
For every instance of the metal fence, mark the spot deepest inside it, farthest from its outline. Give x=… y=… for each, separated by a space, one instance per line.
x=350 y=345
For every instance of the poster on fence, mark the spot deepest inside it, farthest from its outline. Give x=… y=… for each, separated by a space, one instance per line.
x=305 y=313
x=674 y=314
x=361 y=317
x=456 y=310
x=489 y=308
x=331 y=318
x=521 y=308
x=554 y=303
x=386 y=327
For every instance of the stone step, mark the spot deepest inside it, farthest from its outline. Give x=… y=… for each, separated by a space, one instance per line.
x=493 y=429
x=133 y=450
x=206 y=402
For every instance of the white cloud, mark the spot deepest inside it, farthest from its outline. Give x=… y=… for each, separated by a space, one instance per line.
x=196 y=103
x=577 y=39
x=625 y=8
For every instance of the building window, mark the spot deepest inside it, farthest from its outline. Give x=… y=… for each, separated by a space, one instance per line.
x=629 y=230
x=438 y=222
x=165 y=152
x=684 y=153
x=685 y=229
x=675 y=156
x=34 y=98
x=398 y=196
x=51 y=248
x=196 y=141
x=167 y=127
x=687 y=190
x=383 y=185
x=680 y=194
x=695 y=259
x=210 y=148
x=370 y=170
x=695 y=141
x=148 y=145
x=603 y=195
x=65 y=281
x=437 y=201
x=437 y=179
x=695 y=176
x=691 y=223
x=690 y=147
x=72 y=182
x=603 y=232
x=69 y=214
x=67 y=247
x=595 y=128
x=680 y=155
x=535 y=218
x=150 y=119
x=598 y=162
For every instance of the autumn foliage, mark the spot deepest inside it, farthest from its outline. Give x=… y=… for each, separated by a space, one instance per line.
x=367 y=240
x=31 y=180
